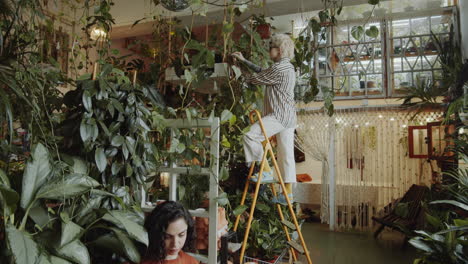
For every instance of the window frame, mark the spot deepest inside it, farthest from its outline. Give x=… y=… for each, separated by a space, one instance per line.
x=387 y=52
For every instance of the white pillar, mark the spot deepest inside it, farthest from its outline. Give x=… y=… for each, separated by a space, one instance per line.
x=331 y=173
x=463 y=5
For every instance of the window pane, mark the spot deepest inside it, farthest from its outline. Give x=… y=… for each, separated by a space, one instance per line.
x=401 y=81
x=420 y=26
x=400 y=28
x=440 y=24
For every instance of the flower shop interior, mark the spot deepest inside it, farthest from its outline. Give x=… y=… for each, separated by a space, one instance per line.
x=111 y=109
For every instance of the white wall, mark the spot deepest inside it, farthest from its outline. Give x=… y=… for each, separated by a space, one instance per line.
x=463 y=4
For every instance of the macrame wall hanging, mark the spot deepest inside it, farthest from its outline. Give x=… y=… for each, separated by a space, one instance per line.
x=369 y=168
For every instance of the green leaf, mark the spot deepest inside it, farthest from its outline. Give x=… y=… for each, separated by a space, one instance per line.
x=461 y=222
x=129 y=170
x=226 y=116
x=188 y=114
x=323 y=15
x=223 y=199
x=36 y=172
x=237 y=71
x=117 y=105
x=70 y=186
x=433 y=221
x=70 y=232
x=52 y=260
x=233 y=120
x=455 y=203
x=4 y=179
x=420 y=244
x=24 y=249
x=315 y=25
x=240 y=210
x=8 y=199
x=87 y=102
x=40 y=215
x=79 y=166
x=225 y=142
x=85 y=76
x=357 y=32
x=174 y=145
x=117 y=140
x=263 y=207
x=119 y=243
x=372 y=32
x=224 y=174
x=228 y=28
x=172 y=111
x=101 y=160
x=210 y=59
x=76 y=252
x=180 y=148
x=106 y=69
x=374 y=2
x=135 y=230
x=115 y=168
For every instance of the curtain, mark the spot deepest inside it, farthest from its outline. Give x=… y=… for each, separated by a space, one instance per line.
x=372 y=165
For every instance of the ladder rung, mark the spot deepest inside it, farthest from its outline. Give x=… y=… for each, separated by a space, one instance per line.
x=289 y=224
x=296 y=246
x=264 y=182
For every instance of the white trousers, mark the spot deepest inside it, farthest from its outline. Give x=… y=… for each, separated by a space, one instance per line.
x=253 y=147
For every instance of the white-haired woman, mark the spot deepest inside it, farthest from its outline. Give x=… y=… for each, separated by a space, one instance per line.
x=279 y=111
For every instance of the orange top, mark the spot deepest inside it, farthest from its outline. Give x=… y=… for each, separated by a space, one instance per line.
x=182 y=259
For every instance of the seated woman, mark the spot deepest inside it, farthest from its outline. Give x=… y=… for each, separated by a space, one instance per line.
x=171 y=232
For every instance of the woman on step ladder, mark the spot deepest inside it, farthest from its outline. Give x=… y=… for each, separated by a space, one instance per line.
x=279 y=113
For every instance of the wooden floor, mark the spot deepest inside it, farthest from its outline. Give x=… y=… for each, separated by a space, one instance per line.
x=355 y=248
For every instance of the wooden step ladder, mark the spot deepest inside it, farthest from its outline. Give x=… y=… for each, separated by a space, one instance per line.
x=295 y=246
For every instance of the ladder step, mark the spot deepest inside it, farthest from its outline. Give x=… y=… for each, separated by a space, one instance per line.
x=296 y=246
x=289 y=224
x=264 y=182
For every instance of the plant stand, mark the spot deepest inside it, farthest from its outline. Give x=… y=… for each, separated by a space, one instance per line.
x=212 y=172
x=220 y=72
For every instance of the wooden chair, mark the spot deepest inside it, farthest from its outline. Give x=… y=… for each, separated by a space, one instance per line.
x=413 y=198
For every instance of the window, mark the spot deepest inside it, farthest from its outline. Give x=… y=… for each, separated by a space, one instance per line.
x=403 y=53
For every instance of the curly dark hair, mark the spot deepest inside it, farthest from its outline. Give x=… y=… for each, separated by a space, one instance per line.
x=156 y=224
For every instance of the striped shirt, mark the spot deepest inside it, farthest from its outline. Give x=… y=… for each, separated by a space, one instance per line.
x=280 y=80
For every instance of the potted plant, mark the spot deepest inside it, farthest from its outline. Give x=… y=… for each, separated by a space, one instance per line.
x=261 y=25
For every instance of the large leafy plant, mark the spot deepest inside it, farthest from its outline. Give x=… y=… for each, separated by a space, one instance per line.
x=111 y=124
x=444 y=239
x=54 y=213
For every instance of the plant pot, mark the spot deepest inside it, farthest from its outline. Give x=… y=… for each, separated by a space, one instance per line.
x=264 y=31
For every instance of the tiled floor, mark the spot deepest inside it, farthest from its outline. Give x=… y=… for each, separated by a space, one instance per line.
x=328 y=247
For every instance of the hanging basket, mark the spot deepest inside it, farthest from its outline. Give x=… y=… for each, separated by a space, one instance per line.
x=264 y=30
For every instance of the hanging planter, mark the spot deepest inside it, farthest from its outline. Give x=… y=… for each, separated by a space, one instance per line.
x=264 y=30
